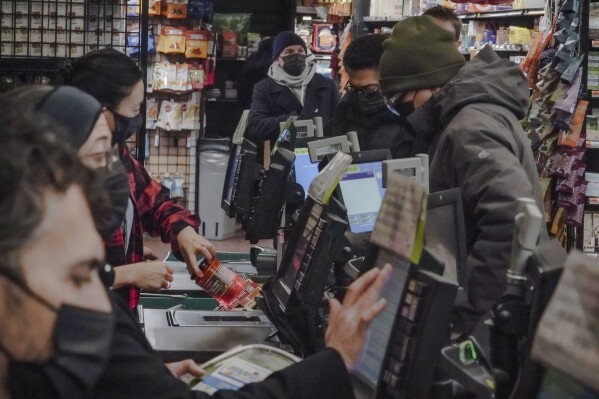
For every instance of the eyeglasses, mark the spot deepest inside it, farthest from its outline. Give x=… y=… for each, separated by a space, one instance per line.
x=368 y=92
x=394 y=102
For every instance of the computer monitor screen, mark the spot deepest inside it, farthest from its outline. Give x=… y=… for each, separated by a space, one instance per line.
x=292 y=262
x=371 y=361
x=445 y=234
x=362 y=192
x=305 y=171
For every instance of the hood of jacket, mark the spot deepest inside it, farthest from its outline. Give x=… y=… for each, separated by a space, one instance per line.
x=486 y=79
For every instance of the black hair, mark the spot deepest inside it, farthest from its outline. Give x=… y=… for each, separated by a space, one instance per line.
x=21 y=100
x=106 y=74
x=32 y=161
x=364 y=52
x=446 y=14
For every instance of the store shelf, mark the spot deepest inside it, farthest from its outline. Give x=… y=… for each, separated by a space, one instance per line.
x=532 y=12
x=305 y=10
x=230 y=59
x=389 y=19
x=221 y=100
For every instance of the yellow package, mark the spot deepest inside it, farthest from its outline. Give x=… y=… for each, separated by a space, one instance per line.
x=172 y=40
x=196 y=44
x=154 y=7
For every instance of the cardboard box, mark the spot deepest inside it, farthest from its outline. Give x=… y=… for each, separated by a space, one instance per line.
x=22 y=34
x=21 y=49
x=21 y=15
x=36 y=13
x=6 y=49
x=7 y=34
x=35 y=49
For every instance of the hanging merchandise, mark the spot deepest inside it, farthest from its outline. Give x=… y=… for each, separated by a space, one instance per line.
x=191 y=115
x=196 y=44
x=172 y=40
x=152 y=110
x=555 y=119
x=196 y=76
x=171 y=114
x=323 y=39
x=154 y=7
x=200 y=9
x=176 y=9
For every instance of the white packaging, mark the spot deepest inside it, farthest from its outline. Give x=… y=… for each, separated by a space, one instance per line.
x=77 y=37
x=6 y=49
x=75 y=50
x=6 y=34
x=35 y=49
x=35 y=35
x=22 y=15
x=20 y=49
x=22 y=34
x=36 y=13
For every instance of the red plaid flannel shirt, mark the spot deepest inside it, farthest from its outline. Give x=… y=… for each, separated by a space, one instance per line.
x=154 y=213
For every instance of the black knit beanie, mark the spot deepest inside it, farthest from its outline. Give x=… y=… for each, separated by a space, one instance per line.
x=284 y=40
x=418 y=55
x=74 y=110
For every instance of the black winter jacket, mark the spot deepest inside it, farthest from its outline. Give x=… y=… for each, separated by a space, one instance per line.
x=273 y=103
x=475 y=142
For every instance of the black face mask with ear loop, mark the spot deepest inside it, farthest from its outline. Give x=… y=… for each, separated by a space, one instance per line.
x=125 y=127
x=115 y=181
x=82 y=339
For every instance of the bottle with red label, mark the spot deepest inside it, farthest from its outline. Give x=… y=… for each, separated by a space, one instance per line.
x=227 y=287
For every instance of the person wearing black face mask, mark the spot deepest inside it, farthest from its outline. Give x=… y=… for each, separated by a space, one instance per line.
x=292 y=88
x=362 y=108
x=57 y=317
x=113 y=79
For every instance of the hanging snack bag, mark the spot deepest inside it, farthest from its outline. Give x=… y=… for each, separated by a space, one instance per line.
x=154 y=7
x=196 y=44
x=196 y=76
x=176 y=9
x=170 y=117
x=181 y=82
x=177 y=190
x=191 y=115
x=165 y=76
x=172 y=40
x=152 y=110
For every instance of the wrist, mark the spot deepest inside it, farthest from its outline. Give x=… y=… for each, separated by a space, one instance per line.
x=124 y=275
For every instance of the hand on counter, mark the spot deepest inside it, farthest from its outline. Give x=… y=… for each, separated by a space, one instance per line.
x=348 y=322
x=191 y=244
x=178 y=369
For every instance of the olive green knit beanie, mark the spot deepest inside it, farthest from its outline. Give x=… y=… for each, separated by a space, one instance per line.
x=418 y=54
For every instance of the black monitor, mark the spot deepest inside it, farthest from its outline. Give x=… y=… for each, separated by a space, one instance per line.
x=264 y=216
x=239 y=179
x=404 y=342
x=293 y=298
x=361 y=189
x=445 y=234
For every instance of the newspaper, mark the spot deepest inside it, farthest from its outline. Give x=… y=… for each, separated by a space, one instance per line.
x=400 y=223
x=567 y=337
x=324 y=184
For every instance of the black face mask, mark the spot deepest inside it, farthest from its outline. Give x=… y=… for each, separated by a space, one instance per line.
x=82 y=339
x=366 y=105
x=125 y=127
x=294 y=64
x=115 y=181
x=405 y=109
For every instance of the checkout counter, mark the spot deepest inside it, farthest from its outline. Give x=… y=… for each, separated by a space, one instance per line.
x=181 y=322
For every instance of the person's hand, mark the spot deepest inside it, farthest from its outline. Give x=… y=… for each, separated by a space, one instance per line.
x=348 y=323
x=149 y=276
x=191 y=244
x=183 y=367
x=149 y=254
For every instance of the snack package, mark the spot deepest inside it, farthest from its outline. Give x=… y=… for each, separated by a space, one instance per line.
x=167 y=181
x=181 y=82
x=165 y=76
x=196 y=76
x=229 y=44
x=152 y=110
x=170 y=117
x=177 y=187
x=154 y=7
x=176 y=9
x=196 y=44
x=191 y=116
x=172 y=40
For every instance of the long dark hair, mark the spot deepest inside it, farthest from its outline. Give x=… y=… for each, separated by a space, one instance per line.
x=106 y=74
